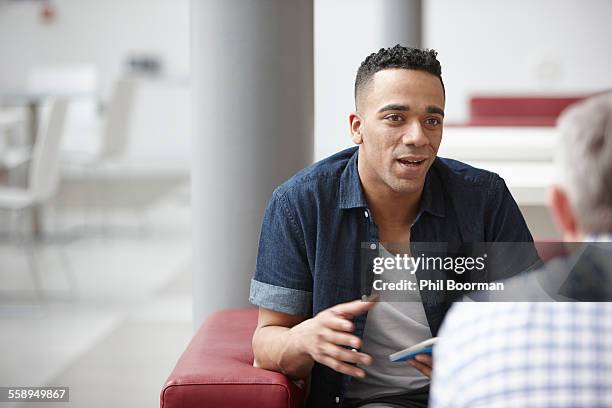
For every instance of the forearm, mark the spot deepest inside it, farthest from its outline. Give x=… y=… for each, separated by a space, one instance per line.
x=276 y=348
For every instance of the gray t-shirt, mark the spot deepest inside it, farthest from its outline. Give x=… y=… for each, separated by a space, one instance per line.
x=390 y=327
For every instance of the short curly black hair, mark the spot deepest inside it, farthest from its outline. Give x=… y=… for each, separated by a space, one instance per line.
x=397 y=57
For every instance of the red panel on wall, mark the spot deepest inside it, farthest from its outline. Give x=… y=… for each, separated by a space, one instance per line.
x=518 y=110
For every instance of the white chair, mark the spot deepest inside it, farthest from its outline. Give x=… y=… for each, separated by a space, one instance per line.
x=113 y=141
x=43 y=175
x=80 y=84
x=113 y=134
x=11 y=117
x=118 y=119
x=11 y=122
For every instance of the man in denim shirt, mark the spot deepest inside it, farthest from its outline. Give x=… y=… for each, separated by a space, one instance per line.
x=390 y=189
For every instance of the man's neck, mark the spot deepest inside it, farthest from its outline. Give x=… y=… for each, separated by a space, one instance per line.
x=391 y=209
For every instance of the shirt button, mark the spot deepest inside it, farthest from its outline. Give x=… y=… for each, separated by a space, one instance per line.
x=365 y=213
x=337 y=400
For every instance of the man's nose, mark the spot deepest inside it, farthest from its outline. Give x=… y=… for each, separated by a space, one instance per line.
x=415 y=135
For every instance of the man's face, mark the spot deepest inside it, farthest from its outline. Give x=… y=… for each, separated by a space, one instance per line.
x=399 y=128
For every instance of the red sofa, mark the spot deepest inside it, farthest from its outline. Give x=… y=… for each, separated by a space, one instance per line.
x=216 y=368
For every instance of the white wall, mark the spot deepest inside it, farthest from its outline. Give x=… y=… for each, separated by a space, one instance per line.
x=103 y=34
x=161 y=128
x=485 y=46
x=520 y=46
x=95 y=32
x=347 y=31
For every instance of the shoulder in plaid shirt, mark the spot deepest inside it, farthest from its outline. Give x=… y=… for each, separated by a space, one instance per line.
x=542 y=354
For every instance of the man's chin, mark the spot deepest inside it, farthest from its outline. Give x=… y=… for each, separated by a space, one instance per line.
x=403 y=186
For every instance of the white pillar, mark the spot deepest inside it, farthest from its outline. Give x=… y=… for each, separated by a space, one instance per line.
x=346 y=31
x=252 y=72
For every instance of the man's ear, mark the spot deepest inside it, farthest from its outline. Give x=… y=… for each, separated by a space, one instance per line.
x=356 y=124
x=562 y=212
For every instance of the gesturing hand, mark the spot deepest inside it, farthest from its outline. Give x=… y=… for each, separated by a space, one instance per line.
x=323 y=336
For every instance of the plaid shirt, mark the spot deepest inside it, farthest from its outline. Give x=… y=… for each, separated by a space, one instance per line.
x=524 y=355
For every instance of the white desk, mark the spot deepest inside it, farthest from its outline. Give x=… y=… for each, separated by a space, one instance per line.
x=33 y=101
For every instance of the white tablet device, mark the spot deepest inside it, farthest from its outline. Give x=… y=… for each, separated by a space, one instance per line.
x=424 y=347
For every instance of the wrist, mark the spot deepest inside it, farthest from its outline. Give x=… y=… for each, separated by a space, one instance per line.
x=294 y=360
x=293 y=341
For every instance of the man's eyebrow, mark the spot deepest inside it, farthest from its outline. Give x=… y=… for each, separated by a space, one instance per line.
x=394 y=107
x=404 y=108
x=435 y=109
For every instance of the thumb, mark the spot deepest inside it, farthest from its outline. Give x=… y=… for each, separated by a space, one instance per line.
x=356 y=307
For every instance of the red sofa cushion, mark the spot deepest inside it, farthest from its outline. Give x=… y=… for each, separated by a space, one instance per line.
x=216 y=369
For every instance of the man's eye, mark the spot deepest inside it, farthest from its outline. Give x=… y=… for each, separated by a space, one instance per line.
x=433 y=121
x=393 y=117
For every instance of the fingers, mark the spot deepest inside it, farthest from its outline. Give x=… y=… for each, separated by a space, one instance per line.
x=354 y=308
x=342 y=339
x=345 y=355
x=425 y=359
x=334 y=331
x=338 y=323
x=342 y=367
x=423 y=363
x=337 y=358
x=424 y=369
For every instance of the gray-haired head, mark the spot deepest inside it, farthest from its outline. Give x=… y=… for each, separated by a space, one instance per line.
x=585 y=162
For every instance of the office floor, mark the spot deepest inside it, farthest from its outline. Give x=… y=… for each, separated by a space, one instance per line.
x=113 y=309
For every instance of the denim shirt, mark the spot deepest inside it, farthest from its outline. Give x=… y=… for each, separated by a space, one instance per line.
x=310 y=248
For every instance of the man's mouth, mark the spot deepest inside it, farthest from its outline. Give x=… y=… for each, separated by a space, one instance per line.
x=412 y=162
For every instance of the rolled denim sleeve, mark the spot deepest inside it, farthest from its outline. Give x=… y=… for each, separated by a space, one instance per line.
x=282 y=281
